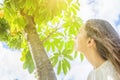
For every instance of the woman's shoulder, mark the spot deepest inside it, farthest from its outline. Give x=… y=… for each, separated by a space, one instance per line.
x=105 y=71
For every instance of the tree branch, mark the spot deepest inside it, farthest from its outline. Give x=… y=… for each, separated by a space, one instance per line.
x=51 y=34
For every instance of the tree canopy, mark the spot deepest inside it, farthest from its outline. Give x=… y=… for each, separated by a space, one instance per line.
x=56 y=22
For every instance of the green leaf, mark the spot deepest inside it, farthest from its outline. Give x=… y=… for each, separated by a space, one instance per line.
x=27 y=59
x=53 y=47
x=29 y=62
x=70 y=44
x=23 y=57
x=25 y=65
x=12 y=4
x=4 y=30
x=54 y=60
x=28 y=4
x=15 y=42
x=60 y=45
x=68 y=56
x=31 y=66
x=66 y=25
x=67 y=64
x=73 y=10
x=19 y=21
x=47 y=46
x=81 y=57
x=64 y=67
x=76 y=6
x=59 y=67
x=75 y=54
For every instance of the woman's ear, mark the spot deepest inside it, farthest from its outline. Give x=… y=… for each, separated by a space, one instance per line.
x=90 y=42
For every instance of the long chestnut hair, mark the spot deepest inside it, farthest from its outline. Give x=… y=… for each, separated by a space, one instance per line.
x=107 y=40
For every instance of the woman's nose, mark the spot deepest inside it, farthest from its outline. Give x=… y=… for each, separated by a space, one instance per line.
x=75 y=37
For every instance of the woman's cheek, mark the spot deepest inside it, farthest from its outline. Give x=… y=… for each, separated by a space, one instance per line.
x=80 y=45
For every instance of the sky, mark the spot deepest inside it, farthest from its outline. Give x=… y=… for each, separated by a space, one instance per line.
x=11 y=66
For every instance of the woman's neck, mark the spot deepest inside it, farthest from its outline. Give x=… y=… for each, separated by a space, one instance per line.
x=95 y=59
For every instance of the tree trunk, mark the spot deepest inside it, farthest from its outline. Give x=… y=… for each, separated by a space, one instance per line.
x=42 y=63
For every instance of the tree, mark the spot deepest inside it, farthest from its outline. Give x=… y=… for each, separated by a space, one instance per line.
x=40 y=27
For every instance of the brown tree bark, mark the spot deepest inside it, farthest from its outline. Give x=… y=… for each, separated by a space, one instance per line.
x=42 y=63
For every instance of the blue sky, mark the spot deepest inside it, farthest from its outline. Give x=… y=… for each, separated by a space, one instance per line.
x=11 y=67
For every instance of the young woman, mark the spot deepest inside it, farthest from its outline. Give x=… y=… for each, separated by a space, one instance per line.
x=100 y=44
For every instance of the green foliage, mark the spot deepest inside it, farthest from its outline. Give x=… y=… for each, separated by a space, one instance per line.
x=15 y=40
x=4 y=29
x=63 y=38
x=56 y=23
x=62 y=58
x=41 y=10
x=27 y=59
x=81 y=57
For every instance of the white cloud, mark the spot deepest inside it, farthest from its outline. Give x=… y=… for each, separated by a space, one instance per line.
x=11 y=66
x=104 y=9
x=86 y=11
x=108 y=9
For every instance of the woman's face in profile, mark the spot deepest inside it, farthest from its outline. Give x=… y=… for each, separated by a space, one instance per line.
x=81 y=40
